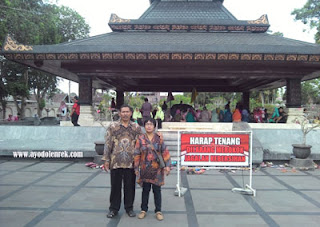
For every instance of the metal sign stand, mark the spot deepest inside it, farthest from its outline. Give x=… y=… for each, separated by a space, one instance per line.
x=248 y=190
x=180 y=191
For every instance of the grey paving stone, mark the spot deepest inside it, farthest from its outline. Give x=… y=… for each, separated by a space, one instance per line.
x=14 y=165
x=21 y=177
x=230 y=220
x=297 y=220
x=214 y=203
x=315 y=195
x=176 y=220
x=284 y=201
x=64 y=179
x=77 y=219
x=221 y=201
x=170 y=181
x=205 y=181
x=6 y=189
x=101 y=180
x=315 y=173
x=79 y=167
x=14 y=218
x=301 y=182
x=46 y=166
x=259 y=182
x=4 y=172
x=88 y=198
x=37 y=197
x=279 y=171
x=239 y=172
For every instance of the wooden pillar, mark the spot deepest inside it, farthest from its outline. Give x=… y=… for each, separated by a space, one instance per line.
x=246 y=100
x=119 y=99
x=293 y=93
x=85 y=90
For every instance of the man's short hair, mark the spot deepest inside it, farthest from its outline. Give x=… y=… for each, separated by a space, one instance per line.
x=126 y=105
x=146 y=100
x=76 y=97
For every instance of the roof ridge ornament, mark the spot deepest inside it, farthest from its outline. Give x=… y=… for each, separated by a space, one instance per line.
x=116 y=19
x=12 y=45
x=262 y=20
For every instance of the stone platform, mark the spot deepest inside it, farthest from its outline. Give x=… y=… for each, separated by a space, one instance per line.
x=270 y=141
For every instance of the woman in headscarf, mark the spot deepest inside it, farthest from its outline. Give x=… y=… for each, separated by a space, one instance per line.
x=159 y=117
x=190 y=116
x=178 y=116
x=137 y=116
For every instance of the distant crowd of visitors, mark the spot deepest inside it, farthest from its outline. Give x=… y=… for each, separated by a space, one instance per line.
x=186 y=113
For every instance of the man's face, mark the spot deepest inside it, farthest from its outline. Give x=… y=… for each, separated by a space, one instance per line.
x=125 y=113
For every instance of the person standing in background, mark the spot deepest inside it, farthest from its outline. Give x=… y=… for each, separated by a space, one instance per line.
x=146 y=109
x=75 y=112
x=113 y=104
x=159 y=117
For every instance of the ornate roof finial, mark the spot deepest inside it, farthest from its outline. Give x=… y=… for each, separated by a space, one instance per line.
x=12 y=45
x=115 y=19
x=262 y=20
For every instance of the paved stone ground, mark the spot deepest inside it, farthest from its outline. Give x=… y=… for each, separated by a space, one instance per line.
x=66 y=193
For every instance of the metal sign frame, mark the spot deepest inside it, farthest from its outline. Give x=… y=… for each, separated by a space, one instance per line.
x=248 y=188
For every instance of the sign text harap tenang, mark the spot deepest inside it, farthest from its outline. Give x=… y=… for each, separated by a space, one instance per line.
x=214 y=149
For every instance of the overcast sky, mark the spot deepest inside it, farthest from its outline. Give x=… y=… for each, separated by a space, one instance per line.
x=97 y=14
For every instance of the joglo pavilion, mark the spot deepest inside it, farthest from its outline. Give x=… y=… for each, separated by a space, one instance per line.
x=176 y=46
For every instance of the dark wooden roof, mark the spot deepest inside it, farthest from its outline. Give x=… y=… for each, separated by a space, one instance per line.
x=173 y=42
x=208 y=15
x=175 y=46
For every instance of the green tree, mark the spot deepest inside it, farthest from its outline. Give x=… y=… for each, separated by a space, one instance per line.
x=136 y=101
x=310 y=14
x=42 y=84
x=178 y=99
x=310 y=92
x=14 y=78
x=3 y=88
x=35 y=22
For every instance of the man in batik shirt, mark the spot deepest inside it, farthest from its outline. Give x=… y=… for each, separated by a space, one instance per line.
x=118 y=155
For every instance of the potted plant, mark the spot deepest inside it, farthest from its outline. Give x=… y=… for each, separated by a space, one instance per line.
x=302 y=151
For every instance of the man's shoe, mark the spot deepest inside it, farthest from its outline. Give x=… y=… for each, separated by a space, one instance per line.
x=131 y=213
x=159 y=216
x=142 y=215
x=112 y=214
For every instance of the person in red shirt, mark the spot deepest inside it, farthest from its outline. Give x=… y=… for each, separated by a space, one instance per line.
x=75 y=112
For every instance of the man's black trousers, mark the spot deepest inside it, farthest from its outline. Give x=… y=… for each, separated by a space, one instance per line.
x=128 y=177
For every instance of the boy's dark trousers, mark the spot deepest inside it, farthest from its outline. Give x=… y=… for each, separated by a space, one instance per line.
x=146 y=187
